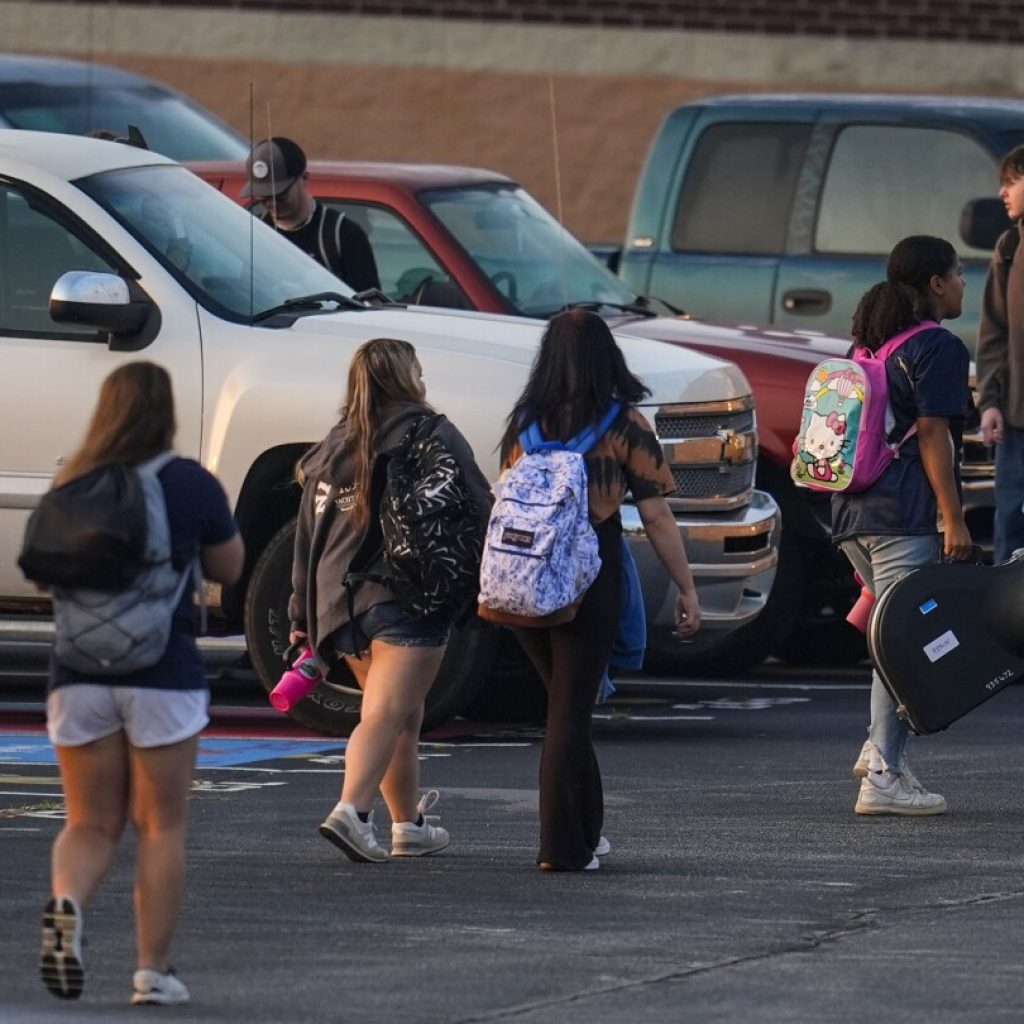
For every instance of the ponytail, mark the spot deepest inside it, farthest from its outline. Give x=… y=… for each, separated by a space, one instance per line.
x=885 y=310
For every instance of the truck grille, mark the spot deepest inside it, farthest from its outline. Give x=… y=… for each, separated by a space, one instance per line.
x=711 y=449
x=703 y=484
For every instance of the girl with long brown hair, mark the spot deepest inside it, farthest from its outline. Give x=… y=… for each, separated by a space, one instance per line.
x=393 y=654
x=126 y=744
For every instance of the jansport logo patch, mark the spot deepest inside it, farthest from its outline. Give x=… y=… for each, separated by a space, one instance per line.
x=517 y=538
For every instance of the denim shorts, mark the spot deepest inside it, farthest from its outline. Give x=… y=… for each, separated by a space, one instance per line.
x=389 y=624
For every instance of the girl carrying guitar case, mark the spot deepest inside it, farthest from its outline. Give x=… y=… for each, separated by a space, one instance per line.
x=946 y=637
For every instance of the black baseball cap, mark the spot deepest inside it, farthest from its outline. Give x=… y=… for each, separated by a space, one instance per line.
x=273 y=166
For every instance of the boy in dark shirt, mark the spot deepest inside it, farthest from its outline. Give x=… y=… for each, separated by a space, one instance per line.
x=278 y=178
x=1000 y=362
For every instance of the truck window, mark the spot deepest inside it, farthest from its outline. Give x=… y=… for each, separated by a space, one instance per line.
x=408 y=272
x=738 y=189
x=34 y=251
x=885 y=182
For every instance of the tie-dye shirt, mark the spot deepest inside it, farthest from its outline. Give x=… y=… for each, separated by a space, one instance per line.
x=627 y=458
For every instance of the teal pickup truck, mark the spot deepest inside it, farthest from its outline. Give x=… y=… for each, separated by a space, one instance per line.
x=780 y=209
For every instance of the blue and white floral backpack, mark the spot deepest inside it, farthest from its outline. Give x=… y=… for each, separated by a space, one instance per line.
x=540 y=554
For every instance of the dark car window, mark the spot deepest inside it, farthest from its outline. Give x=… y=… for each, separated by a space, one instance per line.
x=739 y=189
x=34 y=251
x=885 y=182
x=407 y=269
x=171 y=124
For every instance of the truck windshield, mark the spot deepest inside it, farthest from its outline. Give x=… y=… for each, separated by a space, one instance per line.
x=536 y=265
x=225 y=258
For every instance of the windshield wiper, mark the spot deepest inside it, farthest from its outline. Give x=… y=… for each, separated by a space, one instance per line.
x=308 y=303
x=639 y=306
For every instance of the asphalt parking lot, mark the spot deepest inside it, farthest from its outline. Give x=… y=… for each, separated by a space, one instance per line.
x=741 y=887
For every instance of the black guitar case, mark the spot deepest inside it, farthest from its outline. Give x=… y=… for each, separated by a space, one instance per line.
x=946 y=637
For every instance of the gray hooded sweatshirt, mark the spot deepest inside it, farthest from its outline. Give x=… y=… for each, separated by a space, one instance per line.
x=319 y=604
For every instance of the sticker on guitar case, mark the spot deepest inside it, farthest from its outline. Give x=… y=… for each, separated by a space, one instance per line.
x=941 y=646
x=929 y=606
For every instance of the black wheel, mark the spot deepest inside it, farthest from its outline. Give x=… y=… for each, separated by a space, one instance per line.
x=333 y=708
x=827 y=641
x=514 y=692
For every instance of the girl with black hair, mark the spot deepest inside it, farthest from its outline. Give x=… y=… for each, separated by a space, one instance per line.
x=913 y=514
x=577 y=374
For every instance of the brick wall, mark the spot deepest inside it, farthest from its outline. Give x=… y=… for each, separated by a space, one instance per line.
x=956 y=20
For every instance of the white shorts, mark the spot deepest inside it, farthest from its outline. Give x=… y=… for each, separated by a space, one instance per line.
x=81 y=713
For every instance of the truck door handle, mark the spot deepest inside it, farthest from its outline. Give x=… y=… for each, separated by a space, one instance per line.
x=807 y=301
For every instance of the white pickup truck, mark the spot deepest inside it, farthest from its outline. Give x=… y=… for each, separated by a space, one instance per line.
x=110 y=253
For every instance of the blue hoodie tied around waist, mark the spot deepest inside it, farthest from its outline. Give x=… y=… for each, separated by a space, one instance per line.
x=631 y=638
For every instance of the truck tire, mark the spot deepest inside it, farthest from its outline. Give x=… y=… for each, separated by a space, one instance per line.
x=514 y=692
x=333 y=708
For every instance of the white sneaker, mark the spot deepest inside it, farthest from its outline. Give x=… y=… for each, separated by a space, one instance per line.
x=603 y=848
x=163 y=988
x=60 y=960
x=860 y=766
x=891 y=793
x=411 y=840
x=356 y=839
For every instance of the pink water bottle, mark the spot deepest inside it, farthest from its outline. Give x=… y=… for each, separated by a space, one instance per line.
x=860 y=613
x=298 y=682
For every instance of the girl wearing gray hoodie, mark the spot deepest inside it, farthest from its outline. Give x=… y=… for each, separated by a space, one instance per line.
x=393 y=655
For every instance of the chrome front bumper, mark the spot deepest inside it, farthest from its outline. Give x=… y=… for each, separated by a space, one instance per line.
x=732 y=555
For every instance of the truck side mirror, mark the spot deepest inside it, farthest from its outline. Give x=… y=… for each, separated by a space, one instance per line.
x=982 y=221
x=103 y=301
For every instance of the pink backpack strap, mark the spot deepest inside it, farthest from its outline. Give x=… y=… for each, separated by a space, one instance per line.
x=884 y=351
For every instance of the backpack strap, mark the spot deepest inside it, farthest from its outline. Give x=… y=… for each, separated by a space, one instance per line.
x=885 y=350
x=157 y=463
x=1007 y=244
x=532 y=438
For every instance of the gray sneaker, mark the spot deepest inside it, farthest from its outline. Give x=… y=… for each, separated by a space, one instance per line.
x=892 y=793
x=162 y=988
x=60 y=960
x=603 y=848
x=356 y=839
x=411 y=840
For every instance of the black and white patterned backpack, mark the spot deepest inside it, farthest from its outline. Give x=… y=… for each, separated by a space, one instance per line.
x=425 y=546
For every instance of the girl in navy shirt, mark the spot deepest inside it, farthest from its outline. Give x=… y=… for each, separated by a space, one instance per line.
x=914 y=513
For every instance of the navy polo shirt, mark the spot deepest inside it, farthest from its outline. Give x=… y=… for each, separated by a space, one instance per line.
x=198 y=516
x=927 y=376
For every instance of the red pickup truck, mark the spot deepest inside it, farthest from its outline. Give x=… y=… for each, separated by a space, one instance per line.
x=474 y=239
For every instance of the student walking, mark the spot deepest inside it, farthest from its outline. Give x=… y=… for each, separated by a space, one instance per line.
x=579 y=372
x=393 y=654
x=126 y=744
x=1000 y=363
x=890 y=527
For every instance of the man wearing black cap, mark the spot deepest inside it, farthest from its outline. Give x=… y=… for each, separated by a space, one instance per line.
x=277 y=178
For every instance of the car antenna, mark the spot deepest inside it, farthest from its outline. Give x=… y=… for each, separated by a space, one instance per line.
x=252 y=227
x=558 y=185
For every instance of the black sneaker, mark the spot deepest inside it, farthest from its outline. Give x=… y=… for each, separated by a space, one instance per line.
x=60 y=961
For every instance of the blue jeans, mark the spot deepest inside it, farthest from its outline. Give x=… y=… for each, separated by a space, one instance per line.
x=1009 y=526
x=881 y=561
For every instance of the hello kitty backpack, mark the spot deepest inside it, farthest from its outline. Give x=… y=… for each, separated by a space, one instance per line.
x=842 y=445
